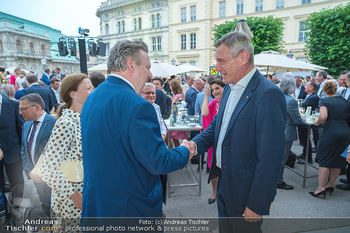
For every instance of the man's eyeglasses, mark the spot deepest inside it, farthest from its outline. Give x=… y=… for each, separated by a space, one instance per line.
x=23 y=109
x=149 y=93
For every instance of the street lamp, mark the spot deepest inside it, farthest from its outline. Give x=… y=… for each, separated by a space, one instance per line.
x=290 y=54
x=173 y=61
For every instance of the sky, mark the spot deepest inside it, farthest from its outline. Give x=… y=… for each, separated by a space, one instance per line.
x=64 y=15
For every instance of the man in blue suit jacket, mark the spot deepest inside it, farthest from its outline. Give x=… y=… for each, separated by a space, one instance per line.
x=10 y=139
x=42 y=91
x=36 y=132
x=247 y=136
x=123 y=151
x=46 y=78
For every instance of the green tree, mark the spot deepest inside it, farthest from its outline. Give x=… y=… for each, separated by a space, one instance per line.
x=267 y=32
x=328 y=43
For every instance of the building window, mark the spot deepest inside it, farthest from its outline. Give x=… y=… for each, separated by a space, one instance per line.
x=123 y=26
x=158 y=20
x=106 y=29
x=222 y=9
x=140 y=24
x=305 y=1
x=135 y=24
x=153 y=21
x=279 y=4
x=157 y=43
x=31 y=47
x=193 y=41
x=43 y=50
x=183 y=42
x=18 y=46
x=193 y=13
x=303 y=59
x=183 y=14
x=119 y=27
x=303 y=32
x=240 y=5
x=259 y=5
x=1 y=48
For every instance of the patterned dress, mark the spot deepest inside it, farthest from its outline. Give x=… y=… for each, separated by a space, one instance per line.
x=62 y=147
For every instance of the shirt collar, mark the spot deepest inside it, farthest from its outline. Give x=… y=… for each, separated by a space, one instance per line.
x=41 y=119
x=34 y=84
x=245 y=80
x=122 y=78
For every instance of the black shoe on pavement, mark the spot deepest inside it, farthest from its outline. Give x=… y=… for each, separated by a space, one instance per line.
x=345 y=181
x=302 y=162
x=301 y=156
x=343 y=186
x=285 y=186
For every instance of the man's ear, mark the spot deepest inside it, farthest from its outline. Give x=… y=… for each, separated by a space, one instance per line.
x=130 y=64
x=244 y=57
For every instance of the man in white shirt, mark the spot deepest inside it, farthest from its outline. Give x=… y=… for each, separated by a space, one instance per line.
x=55 y=92
x=188 y=85
x=247 y=136
x=342 y=82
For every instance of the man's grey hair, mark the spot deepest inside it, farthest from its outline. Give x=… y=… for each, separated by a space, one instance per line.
x=54 y=79
x=25 y=84
x=32 y=78
x=297 y=77
x=287 y=75
x=123 y=50
x=150 y=85
x=34 y=99
x=237 y=42
x=288 y=85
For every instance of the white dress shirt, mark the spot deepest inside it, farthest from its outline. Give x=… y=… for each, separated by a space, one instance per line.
x=38 y=126
x=122 y=78
x=232 y=101
x=0 y=103
x=57 y=95
x=297 y=92
x=160 y=119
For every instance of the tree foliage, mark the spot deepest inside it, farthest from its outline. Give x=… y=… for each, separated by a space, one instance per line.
x=328 y=43
x=267 y=31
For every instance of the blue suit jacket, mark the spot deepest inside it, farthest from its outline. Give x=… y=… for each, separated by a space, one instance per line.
x=293 y=119
x=45 y=79
x=44 y=93
x=41 y=140
x=10 y=130
x=312 y=101
x=123 y=154
x=302 y=93
x=190 y=98
x=252 y=148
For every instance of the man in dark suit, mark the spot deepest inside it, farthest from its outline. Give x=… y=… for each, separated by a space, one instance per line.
x=300 y=89
x=10 y=139
x=191 y=95
x=54 y=89
x=129 y=185
x=36 y=132
x=42 y=91
x=247 y=136
x=310 y=100
x=164 y=103
x=45 y=78
x=59 y=74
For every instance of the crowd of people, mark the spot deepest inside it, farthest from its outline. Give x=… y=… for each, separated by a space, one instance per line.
x=116 y=128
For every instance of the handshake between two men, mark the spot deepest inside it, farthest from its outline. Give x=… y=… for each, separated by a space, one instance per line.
x=191 y=146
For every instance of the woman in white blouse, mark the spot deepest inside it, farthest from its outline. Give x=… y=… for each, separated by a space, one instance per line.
x=66 y=199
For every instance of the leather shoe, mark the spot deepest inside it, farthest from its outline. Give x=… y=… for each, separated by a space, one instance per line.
x=211 y=201
x=301 y=156
x=345 y=181
x=302 y=162
x=285 y=186
x=343 y=186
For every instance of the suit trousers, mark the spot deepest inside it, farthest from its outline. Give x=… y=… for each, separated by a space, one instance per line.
x=15 y=174
x=44 y=192
x=233 y=222
x=303 y=140
x=287 y=147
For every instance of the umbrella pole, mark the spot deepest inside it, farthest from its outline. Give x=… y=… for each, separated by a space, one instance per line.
x=267 y=72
